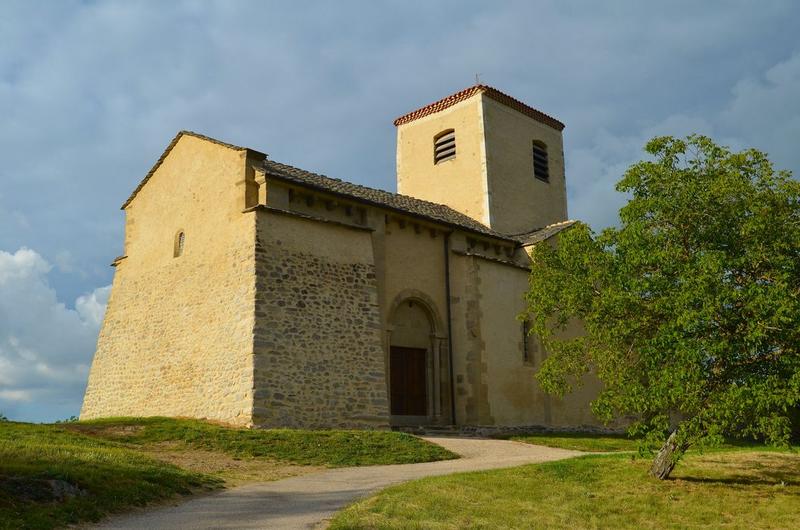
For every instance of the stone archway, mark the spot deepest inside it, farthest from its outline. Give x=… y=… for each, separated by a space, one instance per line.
x=415 y=349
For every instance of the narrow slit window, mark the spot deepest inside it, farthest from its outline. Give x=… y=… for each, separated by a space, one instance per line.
x=444 y=146
x=180 y=239
x=540 y=164
x=526 y=351
x=530 y=344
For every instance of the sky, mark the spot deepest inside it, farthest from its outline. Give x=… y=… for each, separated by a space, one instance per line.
x=92 y=92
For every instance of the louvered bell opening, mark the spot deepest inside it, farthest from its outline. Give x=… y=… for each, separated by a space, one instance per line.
x=444 y=148
x=540 y=169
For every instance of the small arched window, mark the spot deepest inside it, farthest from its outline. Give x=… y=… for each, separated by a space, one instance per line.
x=180 y=240
x=444 y=146
x=540 y=165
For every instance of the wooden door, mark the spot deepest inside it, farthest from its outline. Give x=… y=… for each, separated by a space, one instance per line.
x=408 y=381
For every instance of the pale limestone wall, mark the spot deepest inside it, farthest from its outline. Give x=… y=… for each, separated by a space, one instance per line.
x=491 y=178
x=411 y=262
x=519 y=201
x=494 y=386
x=319 y=360
x=460 y=182
x=178 y=332
x=514 y=396
x=470 y=347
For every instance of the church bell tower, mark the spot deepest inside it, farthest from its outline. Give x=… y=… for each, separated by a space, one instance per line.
x=486 y=155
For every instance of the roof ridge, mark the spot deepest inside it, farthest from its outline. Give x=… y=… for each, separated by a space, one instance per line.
x=495 y=94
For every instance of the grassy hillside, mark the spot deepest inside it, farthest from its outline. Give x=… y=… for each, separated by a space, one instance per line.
x=54 y=475
x=334 y=448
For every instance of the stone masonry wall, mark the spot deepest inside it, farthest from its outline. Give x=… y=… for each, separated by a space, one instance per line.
x=177 y=338
x=175 y=342
x=319 y=362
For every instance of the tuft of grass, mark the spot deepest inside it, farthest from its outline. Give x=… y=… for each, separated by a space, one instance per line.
x=589 y=442
x=334 y=448
x=735 y=489
x=51 y=477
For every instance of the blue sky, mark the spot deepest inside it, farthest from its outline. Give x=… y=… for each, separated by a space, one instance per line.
x=91 y=93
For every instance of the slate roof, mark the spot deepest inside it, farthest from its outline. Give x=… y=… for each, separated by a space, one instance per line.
x=394 y=201
x=491 y=92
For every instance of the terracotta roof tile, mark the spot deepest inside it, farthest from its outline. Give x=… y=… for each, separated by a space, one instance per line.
x=491 y=92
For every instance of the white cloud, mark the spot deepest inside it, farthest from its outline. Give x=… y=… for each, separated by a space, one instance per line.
x=45 y=347
x=15 y=395
x=91 y=307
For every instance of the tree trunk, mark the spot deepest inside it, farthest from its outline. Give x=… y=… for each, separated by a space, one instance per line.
x=667 y=457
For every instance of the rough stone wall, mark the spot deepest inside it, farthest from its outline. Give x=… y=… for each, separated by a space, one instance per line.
x=319 y=362
x=178 y=331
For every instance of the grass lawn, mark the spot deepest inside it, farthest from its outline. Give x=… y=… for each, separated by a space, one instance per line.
x=611 y=443
x=580 y=441
x=54 y=475
x=742 y=488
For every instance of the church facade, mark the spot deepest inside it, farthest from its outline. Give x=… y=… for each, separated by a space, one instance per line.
x=259 y=294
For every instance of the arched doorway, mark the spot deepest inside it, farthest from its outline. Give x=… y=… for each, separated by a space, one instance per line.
x=414 y=359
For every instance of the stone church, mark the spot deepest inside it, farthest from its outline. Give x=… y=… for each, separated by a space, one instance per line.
x=259 y=294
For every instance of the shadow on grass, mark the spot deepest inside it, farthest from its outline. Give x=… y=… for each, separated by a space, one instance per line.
x=771 y=469
x=742 y=480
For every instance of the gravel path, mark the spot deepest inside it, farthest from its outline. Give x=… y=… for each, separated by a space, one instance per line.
x=309 y=501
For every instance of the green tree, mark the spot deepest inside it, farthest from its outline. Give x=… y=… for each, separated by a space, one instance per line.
x=690 y=308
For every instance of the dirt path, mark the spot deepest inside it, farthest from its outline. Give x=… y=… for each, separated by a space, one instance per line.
x=308 y=501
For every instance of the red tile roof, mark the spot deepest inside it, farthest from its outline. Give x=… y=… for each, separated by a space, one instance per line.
x=493 y=93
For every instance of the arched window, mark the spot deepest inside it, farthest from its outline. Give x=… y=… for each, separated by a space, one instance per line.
x=180 y=239
x=444 y=146
x=540 y=166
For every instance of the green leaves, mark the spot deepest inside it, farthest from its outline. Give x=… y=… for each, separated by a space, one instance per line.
x=691 y=307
